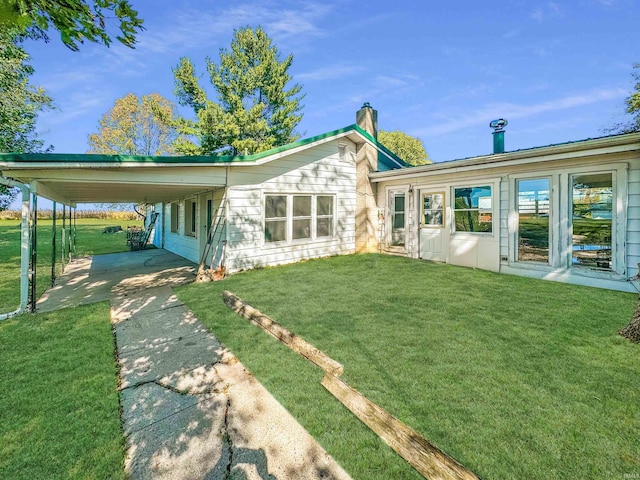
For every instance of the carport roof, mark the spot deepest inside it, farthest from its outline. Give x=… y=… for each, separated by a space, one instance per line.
x=90 y=178
x=7 y=160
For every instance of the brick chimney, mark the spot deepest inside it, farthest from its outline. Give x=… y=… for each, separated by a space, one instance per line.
x=366 y=162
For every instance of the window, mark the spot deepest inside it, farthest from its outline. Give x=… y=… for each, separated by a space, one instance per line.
x=533 y=220
x=275 y=215
x=190 y=218
x=324 y=216
x=473 y=209
x=342 y=152
x=298 y=217
x=175 y=213
x=301 y=216
x=592 y=217
x=433 y=209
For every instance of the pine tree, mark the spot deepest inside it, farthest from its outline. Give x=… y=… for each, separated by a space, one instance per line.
x=254 y=110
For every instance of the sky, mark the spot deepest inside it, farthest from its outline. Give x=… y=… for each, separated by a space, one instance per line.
x=441 y=71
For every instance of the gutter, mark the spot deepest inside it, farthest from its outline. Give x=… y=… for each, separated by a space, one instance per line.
x=24 y=248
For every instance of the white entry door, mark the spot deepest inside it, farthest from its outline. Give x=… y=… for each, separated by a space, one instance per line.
x=434 y=236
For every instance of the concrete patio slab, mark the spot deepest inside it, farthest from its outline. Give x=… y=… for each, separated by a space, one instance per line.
x=127 y=305
x=180 y=437
x=89 y=280
x=168 y=359
x=155 y=328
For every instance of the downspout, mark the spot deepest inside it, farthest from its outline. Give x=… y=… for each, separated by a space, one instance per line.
x=24 y=248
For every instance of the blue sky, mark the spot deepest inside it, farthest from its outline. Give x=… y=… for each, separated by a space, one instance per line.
x=441 y=71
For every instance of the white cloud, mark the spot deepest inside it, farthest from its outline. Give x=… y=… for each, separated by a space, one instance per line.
x=330 y=72
x=549 y=9
x=195 y=28
x=537 y=14
x=512 y=111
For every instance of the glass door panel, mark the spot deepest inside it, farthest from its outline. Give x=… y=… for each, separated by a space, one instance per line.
x=397 y=218
x=533 y=220
x=592 y=217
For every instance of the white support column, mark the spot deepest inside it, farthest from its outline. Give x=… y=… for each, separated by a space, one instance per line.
x=24 y=248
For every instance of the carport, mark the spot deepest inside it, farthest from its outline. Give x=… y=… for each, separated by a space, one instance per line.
x=72 y=179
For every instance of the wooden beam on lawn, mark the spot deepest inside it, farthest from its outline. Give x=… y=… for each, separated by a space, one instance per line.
x=427 y=459
x=291 y=340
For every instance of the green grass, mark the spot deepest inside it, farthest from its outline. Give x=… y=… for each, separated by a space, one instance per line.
x=516 y=378
x=90 y=241
x=58 y=397
x=59 y=411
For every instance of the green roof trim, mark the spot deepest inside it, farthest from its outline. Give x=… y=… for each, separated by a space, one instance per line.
x=389 y=160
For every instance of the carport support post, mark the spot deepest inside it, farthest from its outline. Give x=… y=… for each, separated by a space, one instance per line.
x=75 y=224
x=34 y=252
x=53 y=247
x=63 y=243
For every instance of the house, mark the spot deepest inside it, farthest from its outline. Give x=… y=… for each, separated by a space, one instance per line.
x=568 y=212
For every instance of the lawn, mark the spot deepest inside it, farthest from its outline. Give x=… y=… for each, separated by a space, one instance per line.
x=58 y=398
x=90 y=241
x=514 y=377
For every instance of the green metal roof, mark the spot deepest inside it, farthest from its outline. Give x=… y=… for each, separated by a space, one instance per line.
x=388 y=160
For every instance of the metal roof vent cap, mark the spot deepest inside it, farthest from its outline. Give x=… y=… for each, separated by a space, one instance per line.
x=498 y=134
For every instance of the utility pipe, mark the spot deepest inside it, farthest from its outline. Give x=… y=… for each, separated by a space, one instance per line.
x=24 y=248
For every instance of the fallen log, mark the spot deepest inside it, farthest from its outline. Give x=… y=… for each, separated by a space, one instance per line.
x=290 y=339
x=425 y=457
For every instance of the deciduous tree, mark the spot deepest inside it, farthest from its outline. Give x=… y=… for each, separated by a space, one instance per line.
x=20 y=103
x=255 y=111
x=408 y=148
x=632 y=104
x=136 y=126
x=76 y=20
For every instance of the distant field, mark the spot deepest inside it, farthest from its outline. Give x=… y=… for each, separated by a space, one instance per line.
x=89 y=241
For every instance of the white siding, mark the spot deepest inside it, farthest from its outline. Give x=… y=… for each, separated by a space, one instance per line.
x=504 y=218
x=314 y=171
x=178 y=242
x=633 y=219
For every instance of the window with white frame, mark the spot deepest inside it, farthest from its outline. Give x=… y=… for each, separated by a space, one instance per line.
x=584 y=233
x=298 y=217
x=190 y=218
x=275 y=218
x=473 y=210
x=592 y=200
x=301 y=217
x=175 y=213
x=324 y=216
x=534 y=210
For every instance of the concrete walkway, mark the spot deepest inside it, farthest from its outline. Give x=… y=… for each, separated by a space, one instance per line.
x=190 y=410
